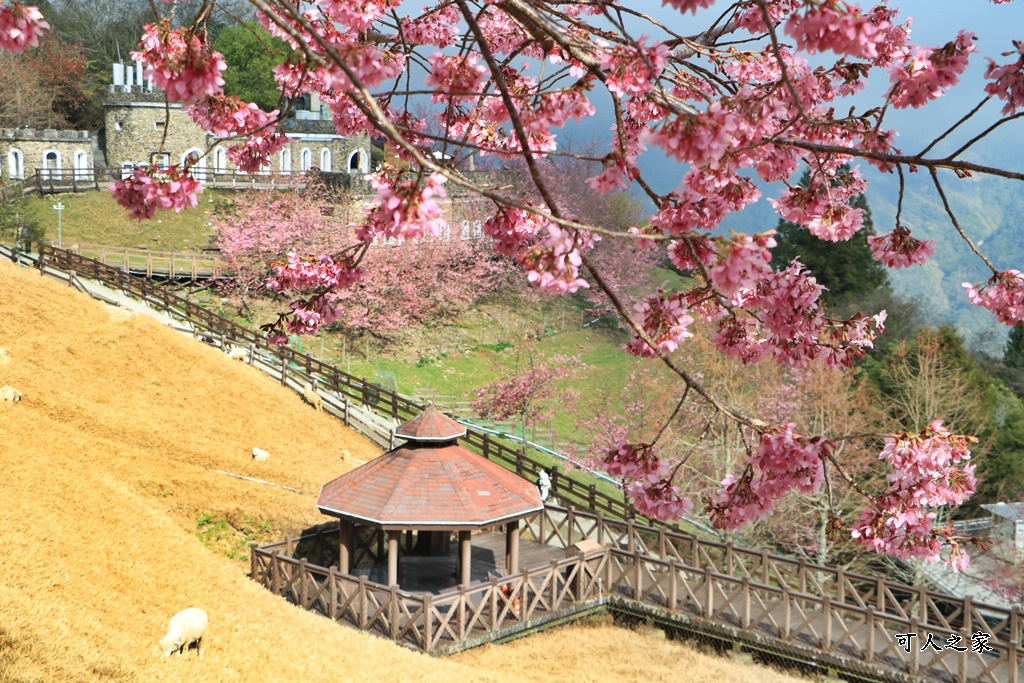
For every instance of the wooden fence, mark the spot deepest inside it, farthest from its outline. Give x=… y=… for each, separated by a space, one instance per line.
x=170 y=264
x=812 y=614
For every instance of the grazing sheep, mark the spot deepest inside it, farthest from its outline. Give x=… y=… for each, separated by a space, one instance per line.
x=187 y=626
x=260 y=455
x=9 y=394
x=237 y=353
x=120 y=316
x=312 y=398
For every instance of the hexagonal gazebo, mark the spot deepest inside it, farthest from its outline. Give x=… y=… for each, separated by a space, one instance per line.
x=433 y=486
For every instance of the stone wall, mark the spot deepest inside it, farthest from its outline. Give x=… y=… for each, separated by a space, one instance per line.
x=28 y=148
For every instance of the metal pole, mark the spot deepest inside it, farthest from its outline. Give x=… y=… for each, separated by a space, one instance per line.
x=59 y=208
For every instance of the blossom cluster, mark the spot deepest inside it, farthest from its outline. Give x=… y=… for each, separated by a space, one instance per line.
x=925 y=74
x=20 y=27
x=665 y=320
x=149 y=189
x=1003 y=294
x=899 y=249
x=646 y=480
x=180 y=62
x=1008 y=80
x=926 y=474
x=322 y=272
x=784 y=462
x=405 y=210
x=226 y=116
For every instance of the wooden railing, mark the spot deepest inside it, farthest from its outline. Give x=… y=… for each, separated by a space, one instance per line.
x=55 y=181
x=436 y=623
x=169 y=264
x=12 y=192
x=773 y=604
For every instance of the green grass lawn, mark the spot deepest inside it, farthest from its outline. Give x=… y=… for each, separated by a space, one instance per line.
x=95 y=218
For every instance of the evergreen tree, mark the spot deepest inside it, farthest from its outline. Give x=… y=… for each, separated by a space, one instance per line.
x=251 y=54
x=845 y=269
x=1013 y=356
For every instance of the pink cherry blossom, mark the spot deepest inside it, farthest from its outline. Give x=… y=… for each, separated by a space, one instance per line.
x=784 y=462
x=633 y=70
x=20 y=27
x=899 y=250
x=226 y=116
x=1003 y=294
x=745 y=262
x=405 y=210
x=665 y=320
x=926 y=73
x=152 y=188
x=180 y=62
x=844 y=30
x=1008 y=80
x=553 y=262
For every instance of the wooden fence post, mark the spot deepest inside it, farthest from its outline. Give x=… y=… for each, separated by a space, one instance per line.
x=462 y=614
x=638 y=576
x=786 y=612
x=393 y=612
x=600 y=528
x=428 y=621
x=363 y=603
x=332 y=576
x=826 y=613
x=673 y=588
x=745 y=617
x=915 y=654
x=630 y=536
x=275 y=573
x=709 y=594
x=880 y=594
x=571 y=524
x=869 y=648
x=1013 y=661
x=494 y=603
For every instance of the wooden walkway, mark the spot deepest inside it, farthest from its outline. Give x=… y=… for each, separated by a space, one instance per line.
x=790 y=609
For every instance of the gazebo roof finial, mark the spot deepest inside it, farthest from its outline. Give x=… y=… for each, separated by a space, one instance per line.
x=430 y=425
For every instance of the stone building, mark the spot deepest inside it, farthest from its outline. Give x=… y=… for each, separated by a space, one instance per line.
x=1008 y=527
x=23 y=151
x=140 y=128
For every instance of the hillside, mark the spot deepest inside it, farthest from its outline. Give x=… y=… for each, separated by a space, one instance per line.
x=112 y=458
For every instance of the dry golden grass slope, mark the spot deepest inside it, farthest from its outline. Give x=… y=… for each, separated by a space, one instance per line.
x=104 y=466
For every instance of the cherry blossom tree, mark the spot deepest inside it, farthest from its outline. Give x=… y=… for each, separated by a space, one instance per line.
x=731 y=92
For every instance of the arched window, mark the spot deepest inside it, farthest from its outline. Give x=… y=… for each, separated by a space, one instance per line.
x=81 y=164
x=52 y=164
x=356 y=162
x=325 y=160
x=220 y=160
x=197 y=162
x=286 y=160
x=306 y=160
x=15 y=165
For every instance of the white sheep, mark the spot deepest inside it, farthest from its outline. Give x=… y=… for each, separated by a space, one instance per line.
x=187 y=626
x=259 y=455
x=9 y=394
x=311 y=397
x=237 y=353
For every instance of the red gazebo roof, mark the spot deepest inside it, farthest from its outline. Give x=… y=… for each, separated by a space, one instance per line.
x=428 y=484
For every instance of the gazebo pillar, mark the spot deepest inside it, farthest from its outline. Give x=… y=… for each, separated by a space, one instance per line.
x=393 y=539
x=345 y=546
x=512 y=547
x=465 y=555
